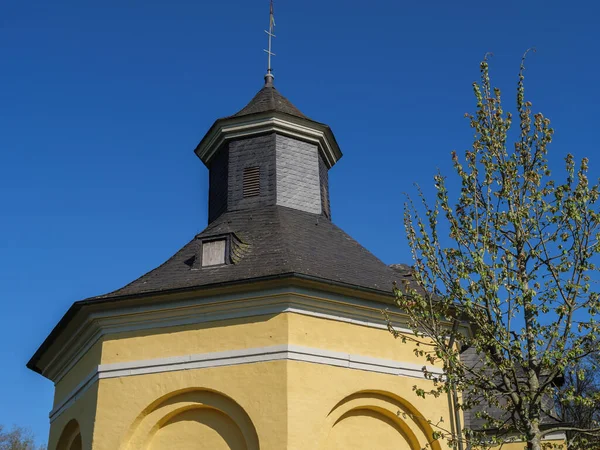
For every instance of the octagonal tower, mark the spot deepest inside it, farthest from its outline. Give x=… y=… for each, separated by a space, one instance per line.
x=263 y=332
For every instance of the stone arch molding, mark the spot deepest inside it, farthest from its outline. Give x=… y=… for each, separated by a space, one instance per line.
x=193 y=419
x=374 y=419
x=70 y=438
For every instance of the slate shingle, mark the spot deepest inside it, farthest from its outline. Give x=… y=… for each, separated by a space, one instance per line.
x=278 y=241
x=472 y=422
x=269 y=99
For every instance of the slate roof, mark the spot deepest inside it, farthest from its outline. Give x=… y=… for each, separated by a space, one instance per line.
x=269 y=99
x=275 y=241
x=472 y=422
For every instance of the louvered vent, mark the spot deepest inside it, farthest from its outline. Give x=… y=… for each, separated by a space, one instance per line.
x=251 y=181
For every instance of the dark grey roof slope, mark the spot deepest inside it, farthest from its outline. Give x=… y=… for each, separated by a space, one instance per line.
x=269 y=99
x=473 y=422
x=277 y=241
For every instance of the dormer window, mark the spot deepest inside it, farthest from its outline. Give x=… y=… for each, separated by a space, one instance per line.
x=214 y=252
x=218 y=250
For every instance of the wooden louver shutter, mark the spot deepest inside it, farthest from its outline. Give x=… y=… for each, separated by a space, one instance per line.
x=251 y=184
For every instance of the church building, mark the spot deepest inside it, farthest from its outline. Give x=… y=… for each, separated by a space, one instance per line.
x=264 y=332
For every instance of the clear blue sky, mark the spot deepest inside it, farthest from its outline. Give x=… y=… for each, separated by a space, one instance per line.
x=102 y=103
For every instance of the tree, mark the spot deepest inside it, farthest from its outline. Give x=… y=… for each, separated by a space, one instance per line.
x=517 y=267
x=17 y=438
x=583 y=413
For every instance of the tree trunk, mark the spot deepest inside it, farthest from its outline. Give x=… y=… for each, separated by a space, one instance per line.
x=534 y=438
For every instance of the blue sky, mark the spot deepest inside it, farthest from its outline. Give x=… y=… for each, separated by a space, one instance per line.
x=102 y=103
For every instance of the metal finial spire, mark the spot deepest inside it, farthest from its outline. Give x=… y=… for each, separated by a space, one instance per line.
x=269 y=76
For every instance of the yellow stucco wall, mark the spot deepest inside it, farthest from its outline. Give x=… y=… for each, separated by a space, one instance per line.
x=213 y=428
x=347 y=337
x=256 y=331
x=83 y=411
x=326 y=402
x=86 y=365
x=268 y=405
x=291 y=405
x=253 y=396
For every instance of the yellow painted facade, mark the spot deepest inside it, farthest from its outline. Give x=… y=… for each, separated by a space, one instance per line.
x=248 y=360
x=284 y=404
x=74 y=428
x=138 y=389
x=267 y=405
x=218 y=336
x=277 y=405
x=295 y=355
x=88 y=362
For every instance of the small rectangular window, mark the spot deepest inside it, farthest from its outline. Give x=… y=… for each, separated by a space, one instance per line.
x=251 y=185
x=213 y=252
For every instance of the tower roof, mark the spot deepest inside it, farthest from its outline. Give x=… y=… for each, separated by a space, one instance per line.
x=269 y=111
x=268 y=99
x=275 y=241
x=271 y=243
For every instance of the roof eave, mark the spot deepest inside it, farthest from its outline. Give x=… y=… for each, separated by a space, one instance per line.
x=230 y=128
x=33 y=364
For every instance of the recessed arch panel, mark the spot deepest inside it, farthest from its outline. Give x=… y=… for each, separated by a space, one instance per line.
x=70 y=438
x=198 y=429
x=193 y=419
x=363 y=429
x=376 y=419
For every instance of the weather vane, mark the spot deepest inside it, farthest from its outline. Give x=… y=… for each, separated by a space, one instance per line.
x=269 y=76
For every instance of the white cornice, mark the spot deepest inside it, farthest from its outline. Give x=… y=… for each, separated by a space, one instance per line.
x=169 y=313
x=234 y=128
x=172 y=314
x=244 y=356
x=199 y=310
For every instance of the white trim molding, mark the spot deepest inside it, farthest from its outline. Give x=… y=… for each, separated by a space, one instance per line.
x=285 y=352
x=106 y=322
x=558 y=436
x=555 y=436
x=225 y=130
